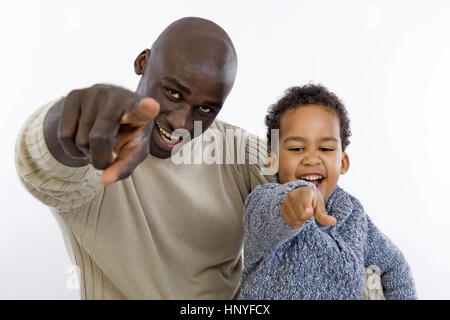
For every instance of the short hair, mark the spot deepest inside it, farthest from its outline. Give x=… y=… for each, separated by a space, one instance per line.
x=295 y=97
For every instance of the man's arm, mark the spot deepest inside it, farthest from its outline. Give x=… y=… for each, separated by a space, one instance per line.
x=59 y=142
x=396 y=276
x=56 y=185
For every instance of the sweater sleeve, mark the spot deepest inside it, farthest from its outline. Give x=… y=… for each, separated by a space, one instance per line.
x=264 y=228
x=396 y=277
x=56 y=185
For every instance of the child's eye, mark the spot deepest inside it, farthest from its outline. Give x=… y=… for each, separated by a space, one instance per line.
x=204 y=109
x=326 y=149
x=297 y=149
x=173 y=93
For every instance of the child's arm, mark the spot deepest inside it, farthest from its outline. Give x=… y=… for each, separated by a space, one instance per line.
x=264 y=227
x=396 y=276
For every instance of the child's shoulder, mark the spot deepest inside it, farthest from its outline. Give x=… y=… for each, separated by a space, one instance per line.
x=342 y=195
x=262 y=189
x=265 y=187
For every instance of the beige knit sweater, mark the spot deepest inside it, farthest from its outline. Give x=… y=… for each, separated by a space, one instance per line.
x=167 y=232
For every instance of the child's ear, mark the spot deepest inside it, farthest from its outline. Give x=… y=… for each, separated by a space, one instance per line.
x=345 y=163
x=272 y=163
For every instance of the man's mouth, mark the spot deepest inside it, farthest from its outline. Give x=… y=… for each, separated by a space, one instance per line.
x=316 y=179
x=167 y=138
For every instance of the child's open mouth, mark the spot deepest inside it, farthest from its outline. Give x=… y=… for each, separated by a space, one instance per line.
x=316 y=179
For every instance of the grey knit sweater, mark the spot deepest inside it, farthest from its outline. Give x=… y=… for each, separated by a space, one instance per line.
x=315 y=261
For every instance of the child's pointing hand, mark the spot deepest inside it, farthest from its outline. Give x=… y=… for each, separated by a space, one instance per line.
x=302 y=204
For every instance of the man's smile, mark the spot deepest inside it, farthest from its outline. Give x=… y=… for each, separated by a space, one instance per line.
x=167 y=138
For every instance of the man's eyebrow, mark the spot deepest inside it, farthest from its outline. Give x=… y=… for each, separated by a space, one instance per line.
x=212 y=104
x=175 y=83
x=300 y=139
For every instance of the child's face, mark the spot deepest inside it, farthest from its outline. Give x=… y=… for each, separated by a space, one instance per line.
x=310 y=147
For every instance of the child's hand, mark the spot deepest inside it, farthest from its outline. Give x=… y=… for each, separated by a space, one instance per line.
x=302 y=204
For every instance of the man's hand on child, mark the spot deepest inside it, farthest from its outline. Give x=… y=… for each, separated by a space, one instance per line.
x=302 y=204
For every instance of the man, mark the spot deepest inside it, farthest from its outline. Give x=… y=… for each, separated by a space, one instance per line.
x=162 y=230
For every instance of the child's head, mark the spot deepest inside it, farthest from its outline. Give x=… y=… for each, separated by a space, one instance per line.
x=314 y=133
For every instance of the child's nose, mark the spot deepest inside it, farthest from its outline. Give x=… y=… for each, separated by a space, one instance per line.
x=311 y=159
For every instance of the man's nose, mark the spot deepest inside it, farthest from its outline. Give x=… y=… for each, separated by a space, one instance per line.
x=181 y=118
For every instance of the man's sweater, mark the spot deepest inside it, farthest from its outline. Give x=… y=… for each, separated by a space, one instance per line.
x=169 y=231
x=316 y=261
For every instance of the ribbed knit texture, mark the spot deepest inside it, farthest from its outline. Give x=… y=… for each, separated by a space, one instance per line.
x=315 y=261
x=56 y=185
x=169 y=231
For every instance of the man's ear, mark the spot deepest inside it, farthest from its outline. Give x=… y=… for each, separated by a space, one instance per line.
x=345 y=163
x=141 y=62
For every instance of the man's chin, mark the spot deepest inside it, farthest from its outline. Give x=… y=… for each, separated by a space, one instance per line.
x=159 y=149
x=161 y=155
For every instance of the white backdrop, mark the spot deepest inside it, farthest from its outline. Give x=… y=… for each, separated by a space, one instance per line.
x=388 y=61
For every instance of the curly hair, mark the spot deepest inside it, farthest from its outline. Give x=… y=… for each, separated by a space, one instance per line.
x=295 y=97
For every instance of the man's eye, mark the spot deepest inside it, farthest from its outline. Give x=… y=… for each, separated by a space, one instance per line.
x=173 y=93
x=204 y=109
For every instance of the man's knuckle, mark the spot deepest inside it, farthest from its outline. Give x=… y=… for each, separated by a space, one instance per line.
x=81 y=143
x=99 y=139
x=73 y=95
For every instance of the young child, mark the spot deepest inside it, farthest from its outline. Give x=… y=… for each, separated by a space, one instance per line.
x=288 y=254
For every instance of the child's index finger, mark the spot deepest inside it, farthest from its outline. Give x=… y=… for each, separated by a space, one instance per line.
x=323 y=217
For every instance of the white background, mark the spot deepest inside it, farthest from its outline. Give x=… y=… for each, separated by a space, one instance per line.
x=388 y=61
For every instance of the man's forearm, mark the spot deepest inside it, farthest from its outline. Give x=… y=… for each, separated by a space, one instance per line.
x=51 y=123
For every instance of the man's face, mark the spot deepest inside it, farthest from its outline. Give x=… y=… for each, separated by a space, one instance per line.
x=310 y=148
x=189 y=86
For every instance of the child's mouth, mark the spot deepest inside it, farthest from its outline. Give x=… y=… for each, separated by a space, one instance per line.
x=316 y=179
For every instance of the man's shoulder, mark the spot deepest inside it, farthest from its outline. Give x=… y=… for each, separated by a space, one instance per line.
x=223 y=126
x=255 y=145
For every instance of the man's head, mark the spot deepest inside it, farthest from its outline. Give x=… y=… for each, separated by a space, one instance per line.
x=314 y=133
x=190 y=71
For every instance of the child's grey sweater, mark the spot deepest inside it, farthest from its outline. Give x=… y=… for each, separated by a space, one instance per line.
x=315 y=261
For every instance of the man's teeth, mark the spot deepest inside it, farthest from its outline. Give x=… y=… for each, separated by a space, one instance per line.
x=311 y=178
x=167 y=136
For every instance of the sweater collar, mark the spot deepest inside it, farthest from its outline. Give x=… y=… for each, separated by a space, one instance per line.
x=339 y=205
